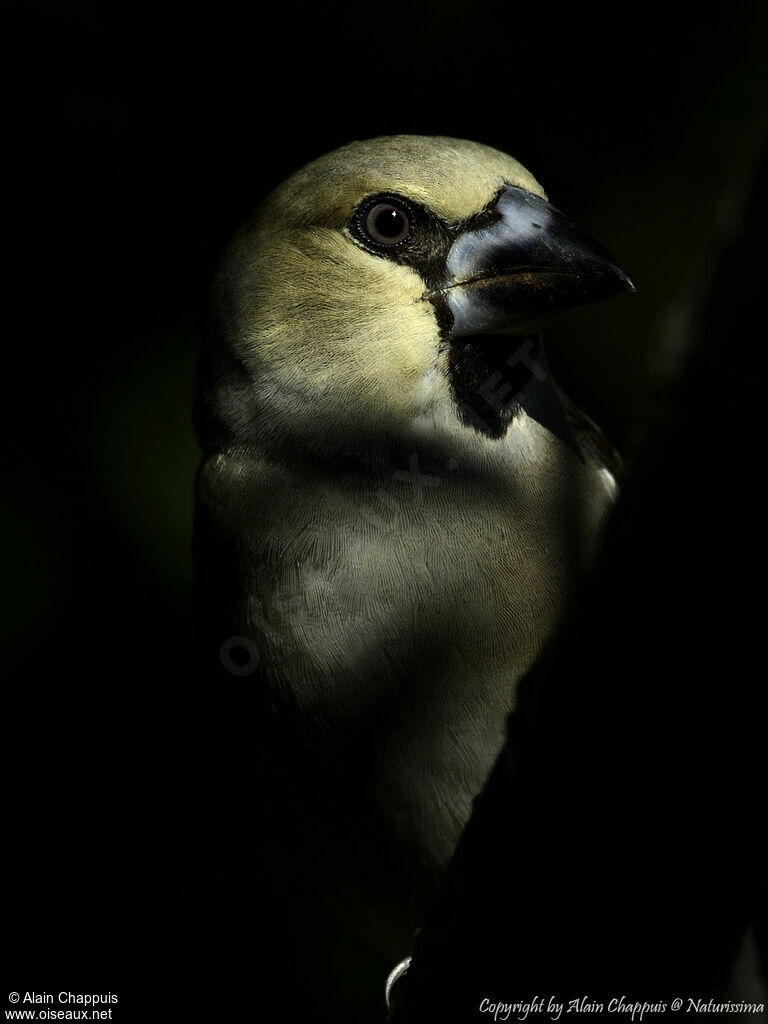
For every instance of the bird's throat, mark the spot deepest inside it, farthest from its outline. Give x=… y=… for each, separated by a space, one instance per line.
x=489 y=376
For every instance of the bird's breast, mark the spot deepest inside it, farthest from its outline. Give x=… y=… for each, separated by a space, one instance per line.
x=397 y=609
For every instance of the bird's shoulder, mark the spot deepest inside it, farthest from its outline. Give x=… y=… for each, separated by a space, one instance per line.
x=591 y=439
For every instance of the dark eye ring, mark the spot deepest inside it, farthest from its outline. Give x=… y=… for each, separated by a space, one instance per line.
x=385 y=222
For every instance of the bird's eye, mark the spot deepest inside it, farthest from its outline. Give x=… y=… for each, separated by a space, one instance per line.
x=384 y=221
x=387 y=224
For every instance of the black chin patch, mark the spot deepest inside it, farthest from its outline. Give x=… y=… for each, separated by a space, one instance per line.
x=489 y=375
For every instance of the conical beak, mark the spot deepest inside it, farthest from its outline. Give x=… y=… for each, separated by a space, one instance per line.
x=524 y=270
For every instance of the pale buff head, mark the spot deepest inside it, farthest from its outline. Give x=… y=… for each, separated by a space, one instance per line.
x=322 y=342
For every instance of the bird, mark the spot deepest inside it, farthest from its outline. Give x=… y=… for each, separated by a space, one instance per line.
x=395 y=500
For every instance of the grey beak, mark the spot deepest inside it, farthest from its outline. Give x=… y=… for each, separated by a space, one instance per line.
x=525 y=269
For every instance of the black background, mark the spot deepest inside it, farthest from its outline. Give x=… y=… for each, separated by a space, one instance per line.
x=140 y=137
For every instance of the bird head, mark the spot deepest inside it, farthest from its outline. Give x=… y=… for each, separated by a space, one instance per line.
x=373 y=292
